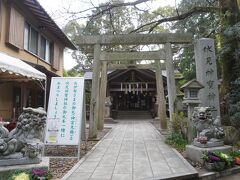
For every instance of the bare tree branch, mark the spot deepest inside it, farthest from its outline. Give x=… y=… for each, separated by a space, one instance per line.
x=140 y=9
x=195 y=10
x=176 y=7
x=111 y=21
x=112 y=6
x=106 y=7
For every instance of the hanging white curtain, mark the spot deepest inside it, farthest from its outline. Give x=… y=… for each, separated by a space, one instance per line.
x=137 y=88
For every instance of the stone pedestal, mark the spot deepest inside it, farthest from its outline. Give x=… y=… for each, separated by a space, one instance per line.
x=7 y=171
x=195 y=153
x=19 y=161
x=209 y=144
x=110 y=120
x=107 y=118
x=107 y=111
x=190 y=127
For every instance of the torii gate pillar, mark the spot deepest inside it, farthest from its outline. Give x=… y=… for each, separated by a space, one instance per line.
x=170 y=79
x=102 y=98
x=94 y=104
x=161 y=112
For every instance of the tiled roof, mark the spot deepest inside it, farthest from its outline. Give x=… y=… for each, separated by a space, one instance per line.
x=39 y=12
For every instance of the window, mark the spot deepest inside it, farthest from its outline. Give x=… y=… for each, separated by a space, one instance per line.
x=26 y=36
x=30 y=39
x=31 y=43
x=185 y=93
x=48 y=51
x=42 y=48
x=45 y=49
x=193 y=93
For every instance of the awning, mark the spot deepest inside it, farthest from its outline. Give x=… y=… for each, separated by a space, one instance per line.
x=14 y=69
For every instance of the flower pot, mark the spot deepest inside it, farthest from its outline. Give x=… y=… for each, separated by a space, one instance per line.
x=219 y=166
x=214 y=166
x=237 y=160
x=209 y=166
x=42 y=178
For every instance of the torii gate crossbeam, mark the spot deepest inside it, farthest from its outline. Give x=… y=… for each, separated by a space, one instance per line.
x=136 y=39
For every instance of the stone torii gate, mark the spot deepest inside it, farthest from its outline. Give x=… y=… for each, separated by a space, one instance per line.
x=136 y=56
x=99 y=80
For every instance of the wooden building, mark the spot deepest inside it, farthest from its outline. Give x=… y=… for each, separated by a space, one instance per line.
x=132 y=90
x=31 y=52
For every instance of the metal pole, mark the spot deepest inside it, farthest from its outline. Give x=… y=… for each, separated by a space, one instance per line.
x=45 y=96
x=45 y=108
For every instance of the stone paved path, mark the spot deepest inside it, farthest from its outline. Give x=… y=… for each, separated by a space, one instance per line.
x=132 y=150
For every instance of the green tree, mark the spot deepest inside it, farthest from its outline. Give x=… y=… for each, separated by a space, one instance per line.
x=113 y=21
x=201 y=25
x=218 y=19
x=73 y=29
x=118 y=20
x=229 y=38
x=204 y=18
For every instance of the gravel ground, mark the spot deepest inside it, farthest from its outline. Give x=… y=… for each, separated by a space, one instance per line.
x=60 y=166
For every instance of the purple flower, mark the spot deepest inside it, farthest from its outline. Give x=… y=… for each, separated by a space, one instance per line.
x=39 y=172
x=214 y=158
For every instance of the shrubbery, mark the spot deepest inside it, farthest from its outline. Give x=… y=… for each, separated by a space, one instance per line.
x=176 y=140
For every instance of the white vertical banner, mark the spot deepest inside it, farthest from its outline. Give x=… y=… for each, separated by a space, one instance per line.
x=65 y=108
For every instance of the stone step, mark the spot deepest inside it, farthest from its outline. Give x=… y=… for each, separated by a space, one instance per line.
x=134 y=115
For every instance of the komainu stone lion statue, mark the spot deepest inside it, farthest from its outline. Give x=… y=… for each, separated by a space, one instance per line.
x=209 y=131
x=23 y=144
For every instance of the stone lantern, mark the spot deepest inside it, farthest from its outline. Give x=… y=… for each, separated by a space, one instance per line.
x=191 y=99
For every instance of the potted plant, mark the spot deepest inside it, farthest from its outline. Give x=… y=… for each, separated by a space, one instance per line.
x=213 y=162
x=34 y=174
x=237 y=160
x=21 y=176
x=228 y=159
x=41 y=174
x=236 y=156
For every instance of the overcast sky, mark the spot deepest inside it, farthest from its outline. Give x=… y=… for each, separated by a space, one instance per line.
x=56 y=9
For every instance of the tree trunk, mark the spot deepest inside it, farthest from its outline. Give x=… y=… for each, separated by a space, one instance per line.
x=230 y=62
